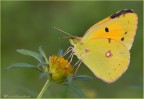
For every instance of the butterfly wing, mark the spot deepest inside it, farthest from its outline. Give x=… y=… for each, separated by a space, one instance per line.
x=120 y=26
x=107 y=59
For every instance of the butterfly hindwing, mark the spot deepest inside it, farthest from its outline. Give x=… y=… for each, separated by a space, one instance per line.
x=107 y=59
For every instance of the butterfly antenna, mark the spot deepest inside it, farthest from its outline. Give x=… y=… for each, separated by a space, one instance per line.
x=64 y=37
x=63 y=31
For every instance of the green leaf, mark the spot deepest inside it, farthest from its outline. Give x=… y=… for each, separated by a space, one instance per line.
x=42 y=64
x=44 y=74
x=30 y=53
x=20 y=65
x=60 y=52
x=82 y=77
x=76 y=89
x=43 y=54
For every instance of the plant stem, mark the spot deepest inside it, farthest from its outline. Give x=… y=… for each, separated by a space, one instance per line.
x=48 y=82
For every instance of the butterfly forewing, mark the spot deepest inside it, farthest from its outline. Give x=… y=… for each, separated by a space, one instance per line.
x=121 y=27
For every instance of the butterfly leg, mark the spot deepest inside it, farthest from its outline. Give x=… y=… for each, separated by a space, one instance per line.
x=80 y=61
x=67 y=51
x=76 y=63
x=71 y=56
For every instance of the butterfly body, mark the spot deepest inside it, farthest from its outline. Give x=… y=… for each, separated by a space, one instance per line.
x=104 y=48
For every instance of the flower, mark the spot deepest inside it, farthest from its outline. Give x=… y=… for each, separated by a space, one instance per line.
x=59 y=68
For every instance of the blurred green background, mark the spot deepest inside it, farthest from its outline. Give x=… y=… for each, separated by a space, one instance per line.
x=29 y=24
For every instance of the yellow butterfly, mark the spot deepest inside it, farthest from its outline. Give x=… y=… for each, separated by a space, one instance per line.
x=104 y=48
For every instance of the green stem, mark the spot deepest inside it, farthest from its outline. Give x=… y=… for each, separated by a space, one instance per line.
x=48 y=82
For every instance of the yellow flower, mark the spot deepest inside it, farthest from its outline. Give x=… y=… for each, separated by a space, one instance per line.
x=59 y=68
